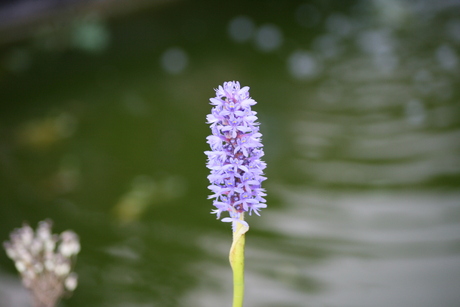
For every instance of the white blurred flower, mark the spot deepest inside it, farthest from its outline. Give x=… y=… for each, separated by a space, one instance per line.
x=44 y=261
x=71 y=282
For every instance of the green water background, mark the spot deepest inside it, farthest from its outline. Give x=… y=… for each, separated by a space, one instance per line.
x=102 y=129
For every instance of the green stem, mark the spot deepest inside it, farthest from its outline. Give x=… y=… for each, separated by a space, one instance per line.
x=237 y=262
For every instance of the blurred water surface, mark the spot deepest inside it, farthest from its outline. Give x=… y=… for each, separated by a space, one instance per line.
x=102 y=129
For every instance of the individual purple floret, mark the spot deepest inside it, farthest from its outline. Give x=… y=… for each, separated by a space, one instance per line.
x=234 y=159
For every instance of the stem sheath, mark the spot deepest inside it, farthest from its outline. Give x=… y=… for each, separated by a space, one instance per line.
x=236 y=258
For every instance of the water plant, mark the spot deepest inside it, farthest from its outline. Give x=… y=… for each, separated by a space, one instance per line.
x=45 y=261
x=236 y=169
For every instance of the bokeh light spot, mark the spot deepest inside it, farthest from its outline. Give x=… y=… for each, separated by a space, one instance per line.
x=268 y=38
x=302 y=65
x=241 y=29
x=174 y=60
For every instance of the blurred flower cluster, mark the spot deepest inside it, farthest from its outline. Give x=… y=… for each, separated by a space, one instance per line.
x=45 y=261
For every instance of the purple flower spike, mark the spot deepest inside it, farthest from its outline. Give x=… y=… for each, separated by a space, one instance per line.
x=234 y=160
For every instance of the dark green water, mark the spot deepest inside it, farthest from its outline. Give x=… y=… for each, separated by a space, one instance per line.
x=102 y=129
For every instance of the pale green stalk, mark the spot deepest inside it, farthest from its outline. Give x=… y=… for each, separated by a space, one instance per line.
x=237 y=262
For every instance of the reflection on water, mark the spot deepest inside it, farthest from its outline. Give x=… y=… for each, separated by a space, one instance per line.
x=359 y=110
x=146 y=192
x=351 y=249
x=385 y=247
x=377 y=140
